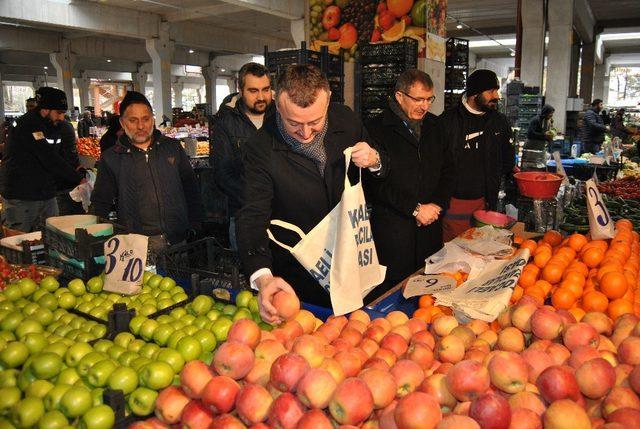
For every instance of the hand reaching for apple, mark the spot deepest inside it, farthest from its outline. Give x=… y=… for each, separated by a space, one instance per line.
x=268 y=286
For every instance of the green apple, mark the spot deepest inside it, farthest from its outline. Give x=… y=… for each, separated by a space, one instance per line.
x=44 y=316
x=77 y=287
x=46 y=365
x=163 y=295
x=94 y=285
x=100 y=313
x=229 y=310
x=11 y=321
x=59 y=292
x=162 y=333
x=243 y=298
x=25 y=378
x=63 y=330
x=156 y=375
x=102 y=346
x=178 y=324
x=146 y=276
x=148 y=309
x=76 y=352
x=10 y=397
x=38 y=389
x=154 y=281
x=135 y=345
x=53 y=397
x=100 y=417
x=22 y=302
x=30 y=308
x=9 y=378
x=179 y=297
x=87 y=297
x=58 y=313
x=28 y=326
x=58 y=348
x=139 y=363
x=201 y=322
x=123 y=339
x=123 y=378
x=127 y=357
x=88 y=361
x=100 y=372
x=190 y=348
x=75 y=402
x=35 y=342
x=149 y=350
x=14 y=355
x=67 y=318
x=48 y=301
x=7 y=336
x=13 y=292
x=115 y=351
x=242 y=313
x=165 y=303
x=84 y=307
x=97 y=396
x=253 y=305
x=213 y=314
x=221 y=328
x=188 y=319
x=165 y=319
x=142 y=401
x=49 y=283
x=172 y=357
x=167 y=283
x=99 y=330
x=28 y=286
x=135 y=324
x=147 y=329
x=178 y=313
x=207 y=340
x=27 y=412
x=190 y=330
x=85 y=337
x=172 y=343
x=68 y=376
x=53 y=419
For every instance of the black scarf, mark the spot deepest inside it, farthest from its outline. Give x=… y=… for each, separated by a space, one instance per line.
x=415 y=126
x=314 y=150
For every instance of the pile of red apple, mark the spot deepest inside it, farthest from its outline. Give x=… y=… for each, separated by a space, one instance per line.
x=537 y=368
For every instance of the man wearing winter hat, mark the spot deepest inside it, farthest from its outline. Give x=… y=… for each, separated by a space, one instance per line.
x=482 y=143
x=33 y=163
x=150 y=178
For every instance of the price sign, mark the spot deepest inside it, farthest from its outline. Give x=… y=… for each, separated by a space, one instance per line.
x=125 y=259
x=600 y=222
x=428 y=285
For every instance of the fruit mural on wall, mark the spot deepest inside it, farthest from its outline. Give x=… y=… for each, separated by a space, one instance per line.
x=344 y=25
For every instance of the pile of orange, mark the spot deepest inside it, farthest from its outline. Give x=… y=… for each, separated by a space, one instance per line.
x=429 y=312
x=582 y=275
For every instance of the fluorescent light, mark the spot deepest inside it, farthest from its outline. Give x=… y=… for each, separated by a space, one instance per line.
x=223 y=70
x=490 y=43
x=513 y=54
x=459 y=26
x=46 y=68
x=619 y=36
x=191 y=51
x=108 y=61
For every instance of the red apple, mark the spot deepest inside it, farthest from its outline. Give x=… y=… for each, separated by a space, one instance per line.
x=408 y=375
x=629 y=417
x=404 y=331
x=509 y=372
x=348 y=35
x=436 y=386
x=375 y=333
x=309 y=348
x=478 y=326
x=394 y=342
x=565 y=413
x=287 y=370
x=449 y=349
x=352 y=402
x=417 y=410
x=595 y=378
x=330 y=17
x=227 y=421
x=316 y=388
x=559 y=353
x=287 y=304
x=467 y=380
x=527 y=400
x=619 y=397
x=233 y=359
x=455 y=421
x=196 y=416
x=491 y=411
x=376 y=363
x=387 y=355
x=170 y=403
x=629 y=350
x=269 y=350
x=521 y=317
x=490 y=337
x=220 y=394
x=334 y=368
x=387 y=416
x=634 y=379
x=350 y=362
x=599 y=321
x=351 y=335
x=314 y=419
x=443 y=326
x=245 y=331
x=382 y=385
x=194 y=377
x=522 y=418
x=285 y=412
x=416 y=325
x=582 y=354
x=558 y=382
x=260 y=373
x=424 y=337
x=465 y=334
x=462 y=409
x=421 y=354
x=580 y=334
x=546 y=324
x=511 y=340
x=253 y=403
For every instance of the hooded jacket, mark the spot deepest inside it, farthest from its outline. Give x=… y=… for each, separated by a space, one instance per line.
x=167 y=190
x=539 y=125
x=231 y=128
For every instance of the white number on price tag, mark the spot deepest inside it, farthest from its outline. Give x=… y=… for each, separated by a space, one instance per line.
x=125 y=257
x=600 y=222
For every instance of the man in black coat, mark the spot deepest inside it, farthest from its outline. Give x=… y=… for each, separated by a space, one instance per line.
x=538 y=132
x=594 y=128
x=294 y=171
x=408 y=204
x=85 y=124
x=482 y=142
x=235 y=123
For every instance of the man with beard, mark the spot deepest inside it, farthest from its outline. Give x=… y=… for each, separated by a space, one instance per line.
x=237 y=121
x=593 y=128
x=33 y=164
x=150 y=178
x=483 y=151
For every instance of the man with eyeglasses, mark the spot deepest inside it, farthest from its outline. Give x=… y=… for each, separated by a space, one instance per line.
x=408 y=204
x=33 y=163
x=482 y=143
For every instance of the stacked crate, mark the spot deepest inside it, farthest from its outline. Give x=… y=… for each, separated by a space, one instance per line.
x=456 y=71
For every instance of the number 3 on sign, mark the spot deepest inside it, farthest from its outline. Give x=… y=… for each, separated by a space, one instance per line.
x=133 y=268
x=599 y=219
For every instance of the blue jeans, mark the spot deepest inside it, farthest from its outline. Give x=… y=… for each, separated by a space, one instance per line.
x=27 y=216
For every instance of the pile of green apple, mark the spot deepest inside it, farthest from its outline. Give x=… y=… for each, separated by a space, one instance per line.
x=157 y=294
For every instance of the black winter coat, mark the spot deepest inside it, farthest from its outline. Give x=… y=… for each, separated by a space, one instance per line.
x=282 y=184
x=172 y=180
x=498 y=138
x=230 y=130
x=419 y=172
x=594 y=128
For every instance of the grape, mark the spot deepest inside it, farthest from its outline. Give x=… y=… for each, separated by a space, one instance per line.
x=360 y=13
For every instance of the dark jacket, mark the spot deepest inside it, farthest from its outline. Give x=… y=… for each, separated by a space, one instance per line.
x=110 y=138
x=500 y=152
x=539 y=125
x=419 y=172
x=33 y=161
x=68 y=150
x=230 y=130
x=282 y=184
x=83 y=127
x=172 y=181
x=593 y=128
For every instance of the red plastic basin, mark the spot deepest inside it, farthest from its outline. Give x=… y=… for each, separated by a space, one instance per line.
x=538 y=185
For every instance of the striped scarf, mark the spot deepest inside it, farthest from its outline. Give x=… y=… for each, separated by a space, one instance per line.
x=314 y=150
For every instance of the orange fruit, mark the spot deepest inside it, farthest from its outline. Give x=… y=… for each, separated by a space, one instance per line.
x=575 y=288
x=422 y=313
x=434 y=310
x=541 y=259
x=577 y=241
x=517 y=239
x=574 y=277
x=552 y=273
x=543 y=285
x=579 y=267
x=614 y=285
x=395 y=32
x=595 y=301
x=529 y=244
x=425 y=301
x=527 y=279
x=567 y=252
x=518 y=291
x=399 y=8
x=607 y=268
x=532 y=268
x=578 y=313
x=619 y=307
x=601 y=244
x=563 y=299
x=552 y=237
x=592 y=257
x=543 y=246
x=624 y=224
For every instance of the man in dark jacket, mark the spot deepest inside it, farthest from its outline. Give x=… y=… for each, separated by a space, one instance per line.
x=483 y=150
x=68 y=150
x=295 y=171
x=150 y=178
x=235 y=123
x=593 y=128
x=408 y=203
x=539 y=133
x=85 y=124
x=33 y=164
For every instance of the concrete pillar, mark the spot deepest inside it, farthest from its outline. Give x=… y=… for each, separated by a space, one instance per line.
x=533 y=32
x=161 y=50
x=177 y=89
x=605 y=86
x=600 y=80
x=139 y=80
x=1 y=102
x=575 y=67
x=298 y=31
x=83 y=89
x=63 y=63
x=232 y=83
x=587 y=71
x=210 y=74
x=559 y=59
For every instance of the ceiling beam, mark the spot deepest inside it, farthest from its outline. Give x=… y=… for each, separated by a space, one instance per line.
x=198 y=12
x=29 y=39
x=583 y=20
x=288 y=9
x=491 y=31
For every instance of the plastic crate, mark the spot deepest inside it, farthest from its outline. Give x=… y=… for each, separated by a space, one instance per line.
x=536 y=100
x=381 y=74
x=404 y=51
x=70 y=271
x=603 y=172
x=332 y=65
x=30 y=254
x=83 y=246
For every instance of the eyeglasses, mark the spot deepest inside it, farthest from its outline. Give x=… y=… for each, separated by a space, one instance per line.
x=421 y=100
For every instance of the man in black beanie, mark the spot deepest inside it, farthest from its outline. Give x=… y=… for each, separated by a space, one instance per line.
x=482 y=143
x=33 y=164
x=150 y=178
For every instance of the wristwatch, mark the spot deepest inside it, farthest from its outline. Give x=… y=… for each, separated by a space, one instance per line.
x=416 y=210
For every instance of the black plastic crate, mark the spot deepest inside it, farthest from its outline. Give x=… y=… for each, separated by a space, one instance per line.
x=536 y=100
x=381 y=74
x=404 y=51
x=330 y=64
x=603 y=172
x=30 y=254
x=83 y=246
x=71 y=271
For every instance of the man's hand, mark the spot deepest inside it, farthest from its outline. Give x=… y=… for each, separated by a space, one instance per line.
x=268 y=285
x=364 y=156
x=427 y=214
